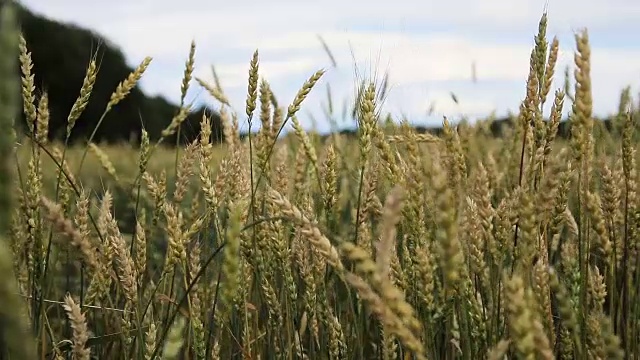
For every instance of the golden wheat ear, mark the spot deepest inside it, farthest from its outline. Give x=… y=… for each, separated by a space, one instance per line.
x=16 y=340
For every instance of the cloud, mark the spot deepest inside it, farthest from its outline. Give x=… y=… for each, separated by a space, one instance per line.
x=235 y=75
x=428 y=47
x=284 y=14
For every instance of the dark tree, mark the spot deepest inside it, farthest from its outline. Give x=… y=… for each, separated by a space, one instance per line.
x=61 y=54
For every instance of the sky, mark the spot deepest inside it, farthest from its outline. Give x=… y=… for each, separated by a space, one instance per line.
x=427 y=47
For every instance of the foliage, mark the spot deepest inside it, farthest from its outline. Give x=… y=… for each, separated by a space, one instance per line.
x=61 y=54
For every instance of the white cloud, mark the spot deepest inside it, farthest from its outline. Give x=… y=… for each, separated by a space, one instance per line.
x=427 y=46
x=236 y=75
x=286 y=13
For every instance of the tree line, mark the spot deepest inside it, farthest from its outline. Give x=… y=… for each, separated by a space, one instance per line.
x=61 y=53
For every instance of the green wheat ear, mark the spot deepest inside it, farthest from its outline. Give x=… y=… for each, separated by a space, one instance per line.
x=14 y=339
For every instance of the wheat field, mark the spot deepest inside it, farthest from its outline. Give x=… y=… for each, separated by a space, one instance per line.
x=395 y=245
